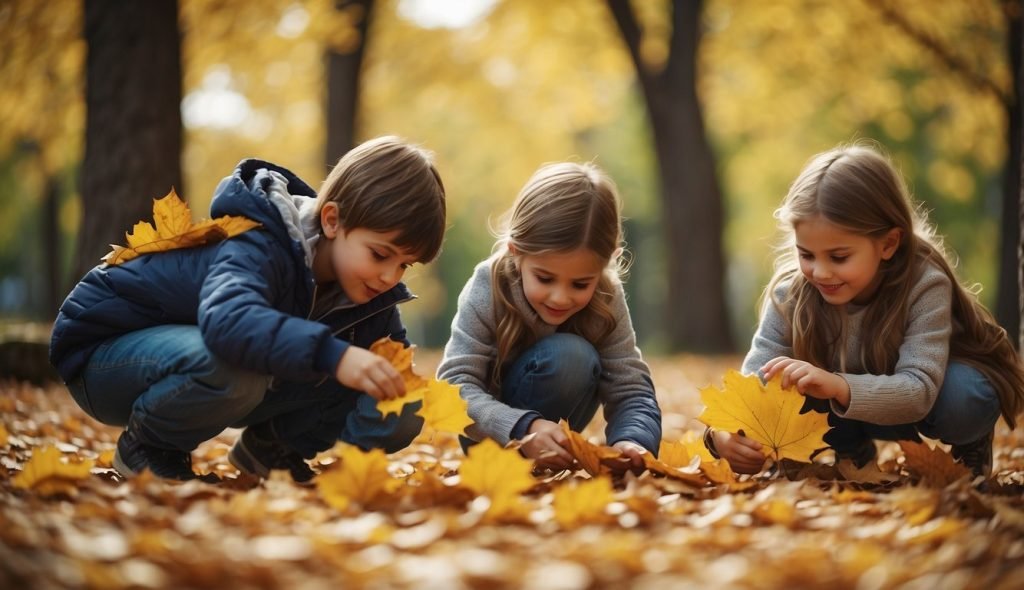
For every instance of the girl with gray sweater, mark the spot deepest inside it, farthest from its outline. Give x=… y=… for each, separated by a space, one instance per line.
x=866 y=318
x=542 y=332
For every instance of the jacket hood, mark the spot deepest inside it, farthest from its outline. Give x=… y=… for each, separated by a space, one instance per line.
x=275 y=197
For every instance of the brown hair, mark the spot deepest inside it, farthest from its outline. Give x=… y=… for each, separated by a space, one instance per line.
x=386 y=184
x=858 y=189
x=561 y=208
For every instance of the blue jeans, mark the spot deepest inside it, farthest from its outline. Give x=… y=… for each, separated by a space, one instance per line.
x=311 y=417
x=966 y=410
x=174 y=393
x=556 y=377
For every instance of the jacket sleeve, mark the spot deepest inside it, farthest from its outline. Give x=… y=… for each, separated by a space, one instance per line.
x=625 y=389
x=772 y=338
x=468 y=358
x=240 y=323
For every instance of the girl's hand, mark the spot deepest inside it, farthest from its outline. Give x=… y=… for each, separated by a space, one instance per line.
x=632 y=457
x=363 y=370
x=743 y=454
x=808 y=379
x=548 y=446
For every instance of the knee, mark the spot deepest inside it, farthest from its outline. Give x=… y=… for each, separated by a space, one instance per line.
x=245 y=389
x=967 y=406
x=575 y=360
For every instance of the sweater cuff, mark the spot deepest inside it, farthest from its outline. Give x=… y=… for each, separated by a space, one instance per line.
x=329 y=355
x=523 y=425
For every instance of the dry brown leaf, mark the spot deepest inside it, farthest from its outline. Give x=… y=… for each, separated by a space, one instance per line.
x=591 y=457
x=935 y=467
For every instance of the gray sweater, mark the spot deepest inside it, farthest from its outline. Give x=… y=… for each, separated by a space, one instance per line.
x=908 y=394
x=625 y=388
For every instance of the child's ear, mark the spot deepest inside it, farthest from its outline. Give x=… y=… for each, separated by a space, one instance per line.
x=330 y=223
x=891 y=242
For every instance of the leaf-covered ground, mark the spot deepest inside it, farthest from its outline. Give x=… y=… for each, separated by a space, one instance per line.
x=428 y=531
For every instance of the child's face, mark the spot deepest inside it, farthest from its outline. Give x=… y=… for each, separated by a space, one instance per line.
x=557 y=285
x=843 y=266
x=365 y=263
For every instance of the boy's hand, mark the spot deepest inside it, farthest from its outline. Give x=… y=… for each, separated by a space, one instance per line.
x=808 y=379
x=362 y=370
x=548 y=446
x=743 y=454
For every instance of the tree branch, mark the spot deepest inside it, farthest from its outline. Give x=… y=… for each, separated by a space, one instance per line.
x=954 y=62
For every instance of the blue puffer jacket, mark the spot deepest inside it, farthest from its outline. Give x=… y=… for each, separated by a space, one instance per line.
x=250 y=295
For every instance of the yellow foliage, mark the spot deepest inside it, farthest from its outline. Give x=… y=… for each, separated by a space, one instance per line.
x=361 y=479
x=766 y=413
x=502 y=475
x=582 y=503
x=443 y=408
x=175 y=229
x=47 y=474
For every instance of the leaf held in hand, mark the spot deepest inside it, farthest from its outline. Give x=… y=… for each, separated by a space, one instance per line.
x=766 y=413
x=175 y=229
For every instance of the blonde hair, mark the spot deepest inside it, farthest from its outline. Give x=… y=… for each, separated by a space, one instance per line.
x=858 y=189
x=386 y=184
x=561 y=208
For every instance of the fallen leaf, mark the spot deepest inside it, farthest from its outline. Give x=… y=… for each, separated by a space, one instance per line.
x=361 y=478
x=48 y=474
x=935 y=467
x=499 y=474
x=174 y=230
x=589 y=455
x=766 y=413
x=582 y=502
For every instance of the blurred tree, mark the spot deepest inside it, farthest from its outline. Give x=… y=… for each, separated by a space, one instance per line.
x=691 y=199
x=1008 y=293
x=344 y=65
x=133 y=118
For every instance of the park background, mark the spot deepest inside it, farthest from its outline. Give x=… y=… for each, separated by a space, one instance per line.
x=703 y=113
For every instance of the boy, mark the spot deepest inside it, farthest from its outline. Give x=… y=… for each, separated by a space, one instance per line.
x=178 y=345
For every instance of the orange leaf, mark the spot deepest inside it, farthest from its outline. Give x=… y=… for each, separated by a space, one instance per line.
x=589 y=455
x=48 y=474
x=766 y=413
x=174 y=230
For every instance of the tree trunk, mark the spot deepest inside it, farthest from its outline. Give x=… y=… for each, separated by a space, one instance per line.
x=697 y=318
x=343 y=70
x=1009 y=296
x=133 y=121
x=1017 y=139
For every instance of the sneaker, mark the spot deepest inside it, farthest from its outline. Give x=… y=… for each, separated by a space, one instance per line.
x=132 y=457
x=258 y=456
x=864 y=453
x=976 y=456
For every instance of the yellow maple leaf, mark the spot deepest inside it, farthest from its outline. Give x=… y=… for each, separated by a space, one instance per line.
x=443 y=409
x=47 y=474
x=175 y=229
x=766 y=413
x=362 y=478
x=4 y=435
x=583 y=503
x=492 y=471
